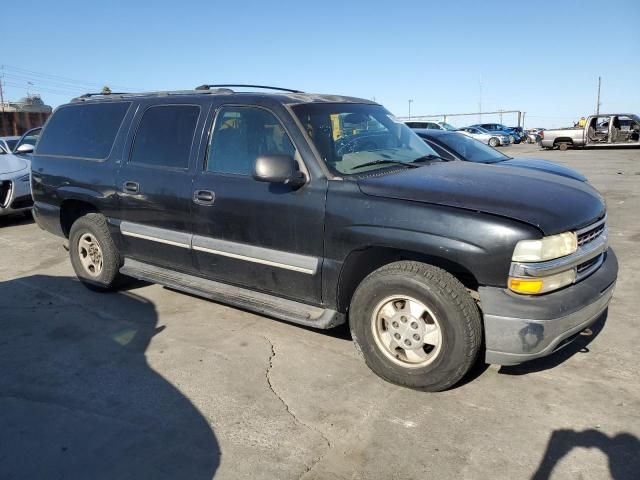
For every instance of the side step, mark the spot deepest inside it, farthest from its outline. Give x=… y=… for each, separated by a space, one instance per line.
x=262 y=303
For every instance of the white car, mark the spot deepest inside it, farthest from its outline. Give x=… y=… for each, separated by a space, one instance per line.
x=15 y=176
x=485 y=136
x=430 y=125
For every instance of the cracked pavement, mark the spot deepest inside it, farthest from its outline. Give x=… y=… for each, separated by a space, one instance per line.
x=153 y=383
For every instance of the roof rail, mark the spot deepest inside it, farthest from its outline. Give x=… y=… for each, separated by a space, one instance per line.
x=207 y=87
x=89 y=95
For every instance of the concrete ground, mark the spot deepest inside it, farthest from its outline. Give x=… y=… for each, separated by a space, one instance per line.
x=152 y=383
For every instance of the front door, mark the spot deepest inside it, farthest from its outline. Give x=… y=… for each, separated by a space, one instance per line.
x=155 y=185
x=263 y=236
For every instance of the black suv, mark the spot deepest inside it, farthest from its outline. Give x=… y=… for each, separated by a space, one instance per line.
x=318 y=209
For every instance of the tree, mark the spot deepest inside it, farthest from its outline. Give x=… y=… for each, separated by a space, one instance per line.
x=106 y=90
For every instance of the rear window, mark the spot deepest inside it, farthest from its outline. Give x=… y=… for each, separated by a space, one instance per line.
x=83 y=131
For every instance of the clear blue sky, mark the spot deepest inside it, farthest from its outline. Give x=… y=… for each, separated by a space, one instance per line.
x=540 y=57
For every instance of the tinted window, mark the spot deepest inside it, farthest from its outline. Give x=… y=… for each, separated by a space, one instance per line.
x=11 y=144
x=240 y=135
x=86 y=130
x=165 y=135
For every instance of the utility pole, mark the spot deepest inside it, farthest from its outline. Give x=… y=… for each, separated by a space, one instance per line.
x=410 y=109
x=480 y=102
x=1 y=88
x=598 y=102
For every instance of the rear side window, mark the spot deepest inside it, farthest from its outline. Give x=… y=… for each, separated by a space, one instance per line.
x=83 y=131
x=165 y=135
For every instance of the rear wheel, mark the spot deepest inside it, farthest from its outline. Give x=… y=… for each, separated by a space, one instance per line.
x=94 y=256
x=493 y=142
x=563 y=146
x=415 y=325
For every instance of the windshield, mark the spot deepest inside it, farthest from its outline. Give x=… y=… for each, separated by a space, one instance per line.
x=11 y=144
x=447 y=126
x=471 y=150
x=356 y=138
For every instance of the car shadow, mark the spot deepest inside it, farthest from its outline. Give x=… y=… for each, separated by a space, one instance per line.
x=77 y=396
x=16 y=219
x=579 y=345
x=622 y=451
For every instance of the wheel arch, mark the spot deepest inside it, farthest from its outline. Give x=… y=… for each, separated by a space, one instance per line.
x=362 y=262
x=563 y=140
x=72 y=209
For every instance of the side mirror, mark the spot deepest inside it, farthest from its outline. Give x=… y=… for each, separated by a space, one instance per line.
x=25 y=148
x=278 y=169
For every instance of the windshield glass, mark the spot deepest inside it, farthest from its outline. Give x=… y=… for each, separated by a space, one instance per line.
x=348 y=136
x=447 y=126
x=471 y=150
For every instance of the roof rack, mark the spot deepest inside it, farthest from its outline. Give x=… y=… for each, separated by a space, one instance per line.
x=207 y=87
x=89 y=95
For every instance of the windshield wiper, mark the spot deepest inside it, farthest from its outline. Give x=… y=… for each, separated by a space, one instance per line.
x=383 y=162
x=427 y=158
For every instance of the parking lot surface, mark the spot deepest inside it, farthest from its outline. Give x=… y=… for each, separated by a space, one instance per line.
x=152 y=383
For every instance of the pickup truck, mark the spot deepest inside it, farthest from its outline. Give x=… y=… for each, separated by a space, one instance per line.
x=250 y=199
x=609 y=130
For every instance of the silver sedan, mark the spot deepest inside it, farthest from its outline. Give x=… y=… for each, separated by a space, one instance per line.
x=485 y=136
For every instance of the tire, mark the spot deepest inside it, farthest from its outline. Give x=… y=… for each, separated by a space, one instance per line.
x=493 y=142
x=447 y=355
x=91 y=229
x=562 y=146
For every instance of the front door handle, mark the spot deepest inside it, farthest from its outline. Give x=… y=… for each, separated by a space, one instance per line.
x=131 y=187
x=204 y=197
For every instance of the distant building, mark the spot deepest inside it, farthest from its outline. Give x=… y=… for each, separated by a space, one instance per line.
x=18 y=117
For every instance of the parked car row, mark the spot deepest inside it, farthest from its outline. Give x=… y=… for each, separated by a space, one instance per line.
x=493 y=134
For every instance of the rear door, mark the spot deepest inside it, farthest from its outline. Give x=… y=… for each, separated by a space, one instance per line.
x=155 y=182
x=263 y=236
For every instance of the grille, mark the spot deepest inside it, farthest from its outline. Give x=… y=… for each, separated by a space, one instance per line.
x=590 y=235
x=5 y=189
x=588 y=264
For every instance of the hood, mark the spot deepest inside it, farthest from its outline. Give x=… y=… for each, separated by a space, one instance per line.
x=545 y=166
x=551 y=202
x=10 y=163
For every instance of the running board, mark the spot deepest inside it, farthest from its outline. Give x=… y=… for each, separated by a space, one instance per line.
x=262 y=303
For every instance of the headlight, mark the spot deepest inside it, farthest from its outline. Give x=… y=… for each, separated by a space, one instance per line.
x=546 y=248
x=535 y=286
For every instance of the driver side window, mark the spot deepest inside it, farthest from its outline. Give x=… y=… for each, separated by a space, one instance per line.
x=242 y=134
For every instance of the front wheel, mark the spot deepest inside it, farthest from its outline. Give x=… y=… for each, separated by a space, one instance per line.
x=493 y=142
x=415 y=325
x=94 y=256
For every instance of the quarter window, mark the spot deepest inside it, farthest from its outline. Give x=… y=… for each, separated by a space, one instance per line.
x=165 y=135
x=83 y=130
x=240 y=135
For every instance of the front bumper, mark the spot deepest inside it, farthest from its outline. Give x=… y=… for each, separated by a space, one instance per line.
x=15 y=193
x=519 y=328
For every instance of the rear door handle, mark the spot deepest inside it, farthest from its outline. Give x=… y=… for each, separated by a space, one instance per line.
x=204 y=197
x=131 y=187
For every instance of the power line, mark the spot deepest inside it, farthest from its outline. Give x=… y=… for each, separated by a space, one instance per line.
x=60 y=78
x=25 y=86
x=44 y=82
